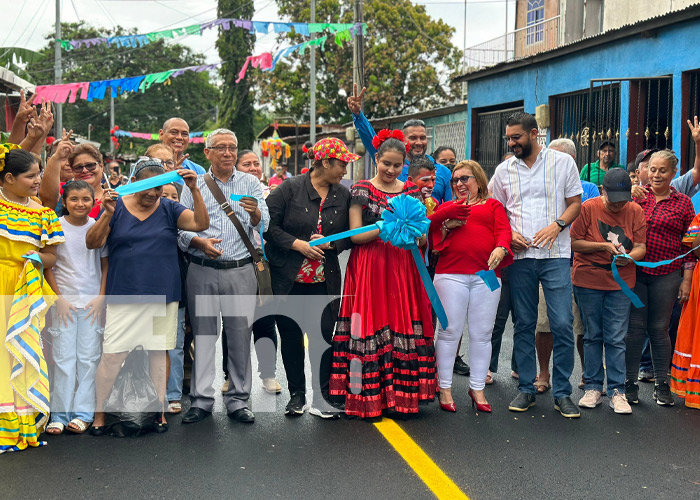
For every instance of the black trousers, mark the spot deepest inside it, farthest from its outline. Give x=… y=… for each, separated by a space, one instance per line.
x=265 y=339
x=319 y=346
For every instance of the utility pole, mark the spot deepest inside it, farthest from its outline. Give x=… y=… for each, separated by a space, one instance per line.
x=464 y=55
x=111 y=120
x=58 y=71
x=312 y=105
x=358 y=63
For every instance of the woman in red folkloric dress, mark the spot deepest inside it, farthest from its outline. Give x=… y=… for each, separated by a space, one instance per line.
x=383 y=355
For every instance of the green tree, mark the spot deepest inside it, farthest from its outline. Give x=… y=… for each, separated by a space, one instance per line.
x=409 y=60
x=190 y=96
x=235 y=45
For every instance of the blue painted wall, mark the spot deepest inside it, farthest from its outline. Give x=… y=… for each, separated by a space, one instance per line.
x=672 y=51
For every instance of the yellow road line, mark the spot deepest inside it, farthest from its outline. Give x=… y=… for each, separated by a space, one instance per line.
x=438 y=482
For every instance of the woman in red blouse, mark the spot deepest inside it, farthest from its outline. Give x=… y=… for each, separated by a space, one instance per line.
x=668 y=214
x=480 y=242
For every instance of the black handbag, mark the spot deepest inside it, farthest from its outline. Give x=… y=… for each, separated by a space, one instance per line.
x=261 y=266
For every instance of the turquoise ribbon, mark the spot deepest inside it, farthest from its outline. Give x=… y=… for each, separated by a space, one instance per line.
x=490 y=279
x=150 y=183
x=344 y=234
x=636 y=301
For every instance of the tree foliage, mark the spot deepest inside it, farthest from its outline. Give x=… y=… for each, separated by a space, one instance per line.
x=409 y=59
x=190 y=96
x=235 y=46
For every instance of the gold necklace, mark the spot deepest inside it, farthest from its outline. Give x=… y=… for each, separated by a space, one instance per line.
x=2 y=193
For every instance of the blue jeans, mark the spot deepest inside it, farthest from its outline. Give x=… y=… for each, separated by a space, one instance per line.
x=76 y=353
x=177 y=361
x=605 y=315
x=555 y=276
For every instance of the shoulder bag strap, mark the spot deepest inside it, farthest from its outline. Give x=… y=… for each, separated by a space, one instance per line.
x=226 y=207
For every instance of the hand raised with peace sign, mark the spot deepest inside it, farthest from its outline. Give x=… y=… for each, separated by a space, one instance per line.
x=355 y=100
x=65 y=146
x=26 y=110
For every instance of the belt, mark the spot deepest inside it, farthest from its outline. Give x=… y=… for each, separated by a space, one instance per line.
x=225 y=264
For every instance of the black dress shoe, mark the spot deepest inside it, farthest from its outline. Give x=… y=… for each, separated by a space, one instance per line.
x=461 y=367
x=522 y=402
x=243 y=415
x=566 y=407
x=194 y=415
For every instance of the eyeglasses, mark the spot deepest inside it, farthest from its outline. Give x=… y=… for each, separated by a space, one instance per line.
x=90 y=167
x=464 y=179
x=223 y=149
x=168 y=163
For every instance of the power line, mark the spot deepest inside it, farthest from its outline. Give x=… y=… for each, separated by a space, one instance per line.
x=21 y=9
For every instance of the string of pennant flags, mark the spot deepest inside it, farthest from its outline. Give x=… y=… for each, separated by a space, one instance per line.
x=141 y=40
x=89 y=91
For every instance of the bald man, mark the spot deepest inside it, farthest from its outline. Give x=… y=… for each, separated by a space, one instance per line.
x=176 y=134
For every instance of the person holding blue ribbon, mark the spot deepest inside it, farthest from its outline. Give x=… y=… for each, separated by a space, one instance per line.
x=467 y=246
x=668 y=214
x=383 y=355
x=608 y=225
x=143 y=279
x=304 y=208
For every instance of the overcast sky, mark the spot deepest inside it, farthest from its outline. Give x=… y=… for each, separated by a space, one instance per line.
x=26 y=22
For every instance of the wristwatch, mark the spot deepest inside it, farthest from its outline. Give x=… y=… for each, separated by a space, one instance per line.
x=561 y=224
x=505 y=250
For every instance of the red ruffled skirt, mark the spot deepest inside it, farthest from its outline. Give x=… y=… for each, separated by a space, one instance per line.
x=383 y=354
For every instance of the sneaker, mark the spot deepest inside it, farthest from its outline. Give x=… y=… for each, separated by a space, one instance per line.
x=296 y=405
x=566 y=407
x=619 y=403
x=632 y=392
x=224 y=388
x=591 y=398
x=662 y=395
x=328 y=415
x=522 y=402
x=645 y=376
x=271 y=386
x=461 y=367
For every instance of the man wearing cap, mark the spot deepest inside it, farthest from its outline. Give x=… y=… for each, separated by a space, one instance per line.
x=607 y=226
x=606 y=160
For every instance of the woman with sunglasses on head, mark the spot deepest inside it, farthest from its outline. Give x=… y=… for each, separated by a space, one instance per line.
x=141 y=233
x=468 y=245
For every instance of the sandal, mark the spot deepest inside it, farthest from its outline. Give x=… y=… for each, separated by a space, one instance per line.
x=96 y=430
x=174 y=407
x=55 y=428
x=77 y=426
x=489 y=378
x=542 y=386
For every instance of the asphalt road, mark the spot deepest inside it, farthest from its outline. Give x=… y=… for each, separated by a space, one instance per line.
x=652 y=454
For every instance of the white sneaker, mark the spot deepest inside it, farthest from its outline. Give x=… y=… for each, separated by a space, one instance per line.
x=328 y=415
x=619 y=403
x=271 y=386
x=590 y=399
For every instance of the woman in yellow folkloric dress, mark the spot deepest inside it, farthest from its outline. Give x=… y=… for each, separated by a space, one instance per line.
x=25 y=228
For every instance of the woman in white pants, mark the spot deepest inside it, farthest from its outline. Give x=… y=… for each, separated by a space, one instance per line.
x=480 y=243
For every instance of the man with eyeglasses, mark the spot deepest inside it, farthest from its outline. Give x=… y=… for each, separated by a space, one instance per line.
x=220 y=264
x=417 y=137
x=541 y=191
x=176 y=134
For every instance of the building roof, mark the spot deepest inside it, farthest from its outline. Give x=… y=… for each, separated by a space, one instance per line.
x=13 y=83
x=386 y=120
x=625 y=31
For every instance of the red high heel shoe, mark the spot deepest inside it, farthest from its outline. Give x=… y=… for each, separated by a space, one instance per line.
x=451 y=407
x=486 y=408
